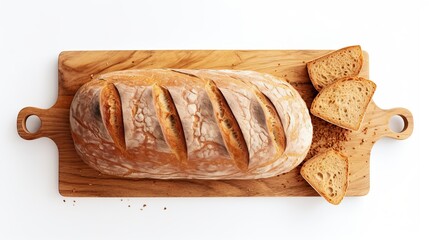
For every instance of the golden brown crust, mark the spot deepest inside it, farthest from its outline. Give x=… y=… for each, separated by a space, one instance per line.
x=229 y=127
x=309 y=66
x=170 y=122
x=111 y=110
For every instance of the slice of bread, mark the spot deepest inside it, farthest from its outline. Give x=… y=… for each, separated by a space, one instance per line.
x=344 y=102
x=328 y=174
x=346 y=62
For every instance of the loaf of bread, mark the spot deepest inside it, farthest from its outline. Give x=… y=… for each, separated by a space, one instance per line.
x=190 y=124
x=328 y=174
x=345 y=62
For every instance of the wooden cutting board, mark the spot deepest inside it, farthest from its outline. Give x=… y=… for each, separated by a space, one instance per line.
x=78 y=180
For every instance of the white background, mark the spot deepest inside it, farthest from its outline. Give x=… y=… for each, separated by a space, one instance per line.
x=32 y=33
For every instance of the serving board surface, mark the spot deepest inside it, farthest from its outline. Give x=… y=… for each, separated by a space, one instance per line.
x=78 y=180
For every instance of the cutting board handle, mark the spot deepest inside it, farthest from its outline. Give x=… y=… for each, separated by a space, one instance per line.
x=51 y=120
x=406 y=116
x=23 y=115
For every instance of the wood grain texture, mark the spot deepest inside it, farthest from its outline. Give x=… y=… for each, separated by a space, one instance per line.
x=78 y=67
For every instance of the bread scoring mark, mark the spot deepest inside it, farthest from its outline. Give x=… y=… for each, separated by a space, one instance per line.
x=272 y=119
x=229 y=128
x=96 y=110
x=185 y=73
x=111 y=111
x=170 y=122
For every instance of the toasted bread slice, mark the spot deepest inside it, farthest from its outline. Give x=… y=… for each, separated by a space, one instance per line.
x=344 y=102
x=345 y=62
x=328 y=174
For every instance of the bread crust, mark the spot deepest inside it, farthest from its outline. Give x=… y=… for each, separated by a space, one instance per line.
x=260 y=150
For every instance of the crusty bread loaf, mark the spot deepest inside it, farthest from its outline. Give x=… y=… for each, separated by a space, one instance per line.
x=202 y=124
x=344 y=102
x=328 y=174
x=345 y=62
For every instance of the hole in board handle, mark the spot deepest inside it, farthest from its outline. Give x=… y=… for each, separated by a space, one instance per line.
x=32 y=124
x=398 y=123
